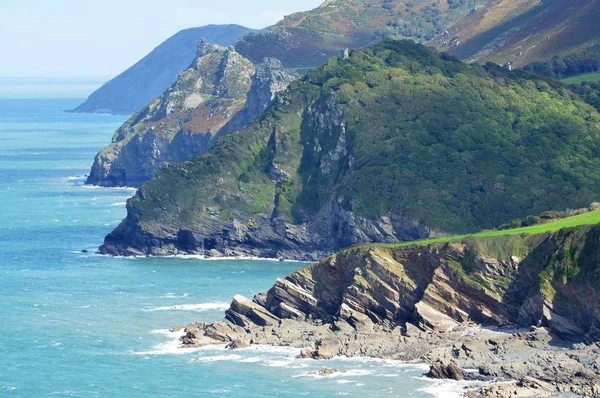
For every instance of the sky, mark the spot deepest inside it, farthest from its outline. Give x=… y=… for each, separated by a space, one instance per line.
x=101 y=38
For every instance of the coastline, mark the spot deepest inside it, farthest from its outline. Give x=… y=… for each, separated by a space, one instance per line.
x=532 y=362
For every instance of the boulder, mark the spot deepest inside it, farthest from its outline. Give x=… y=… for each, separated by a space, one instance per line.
x=441 y=370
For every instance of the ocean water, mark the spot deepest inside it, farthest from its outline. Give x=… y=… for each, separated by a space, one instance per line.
x=77 y=324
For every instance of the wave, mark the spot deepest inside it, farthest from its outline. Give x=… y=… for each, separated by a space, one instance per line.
x=216 y=358
x=192 y=307
x=447 y=388
x=246 y=258
x=119 y=204
x=127 y=189
x=171 y=347
x=174 y=296
x=384 y=362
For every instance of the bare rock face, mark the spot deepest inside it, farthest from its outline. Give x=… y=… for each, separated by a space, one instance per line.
x=451 y=370
x=221 y=92
x=270 y=78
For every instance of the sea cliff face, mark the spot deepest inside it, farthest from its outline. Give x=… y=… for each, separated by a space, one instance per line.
x=221 y=91
x=510 y=306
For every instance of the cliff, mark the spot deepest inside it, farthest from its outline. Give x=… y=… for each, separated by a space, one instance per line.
x=396 y=143
x=130 y=91
x=515 y=307
x=220 y=90
x=548 y=280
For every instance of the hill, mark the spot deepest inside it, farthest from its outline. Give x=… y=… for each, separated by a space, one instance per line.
x=152 y=75
x=523 y=31
x=308 y=39
x=396 y=143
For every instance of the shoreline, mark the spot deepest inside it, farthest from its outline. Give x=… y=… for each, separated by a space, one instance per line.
x=520 y=370
x=336 y=367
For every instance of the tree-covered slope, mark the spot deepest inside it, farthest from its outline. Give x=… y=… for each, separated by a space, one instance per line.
x=307 y=39
x=396 y=143
x=152 y=75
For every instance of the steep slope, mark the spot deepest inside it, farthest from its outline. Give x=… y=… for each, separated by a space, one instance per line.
x=307 y=39
x=208 y=98
x=395 y=143
x=153 y=74
x=550 y=279
x=523 y=31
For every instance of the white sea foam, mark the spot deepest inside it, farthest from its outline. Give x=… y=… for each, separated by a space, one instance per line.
x=172 y=346
x=127 y=189
x=192 y=307
x=119 y=204
x=174 y=295
x=251 y=360
x=217 y=358
x=279 y=363
x=248 y=258
x=447 y=388
x=384 y=362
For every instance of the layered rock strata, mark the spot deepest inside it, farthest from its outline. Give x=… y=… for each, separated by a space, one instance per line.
x=521 y=308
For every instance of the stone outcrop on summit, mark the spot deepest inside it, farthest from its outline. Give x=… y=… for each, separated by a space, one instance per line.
x=220 y=87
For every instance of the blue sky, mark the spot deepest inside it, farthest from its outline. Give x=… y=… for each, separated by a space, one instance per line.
x=80 y=38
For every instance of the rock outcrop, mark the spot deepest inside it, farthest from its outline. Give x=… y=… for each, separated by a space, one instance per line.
x=208 y=100
x=130 y=91
x=466 y=304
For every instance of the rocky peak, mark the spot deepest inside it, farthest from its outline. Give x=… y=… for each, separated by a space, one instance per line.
x=270 y=78
x=205 y=48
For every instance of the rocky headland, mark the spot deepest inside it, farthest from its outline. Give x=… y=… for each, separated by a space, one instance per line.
x=522 y=310
x=221 y=92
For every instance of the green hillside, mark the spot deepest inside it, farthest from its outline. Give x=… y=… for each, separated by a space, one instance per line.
x=396 y=135
x=585 y=77
x=588 y=218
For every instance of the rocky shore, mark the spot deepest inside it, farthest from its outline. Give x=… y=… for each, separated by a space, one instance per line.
x=498 y=305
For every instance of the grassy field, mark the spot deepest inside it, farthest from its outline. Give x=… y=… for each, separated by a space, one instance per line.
x=586 y=77
x=589 y=218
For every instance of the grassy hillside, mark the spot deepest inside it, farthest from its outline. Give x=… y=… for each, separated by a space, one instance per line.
x=585 y=77
x=588 y=218
x=523 y=31
x=397 y=131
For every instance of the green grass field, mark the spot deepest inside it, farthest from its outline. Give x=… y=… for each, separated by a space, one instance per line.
x=589 y=218
x=586 y=77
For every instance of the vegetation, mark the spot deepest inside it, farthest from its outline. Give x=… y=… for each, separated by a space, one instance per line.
x=586 y=77
x=589 y=218
x=396 y=129
x=307 y=39
x=576 y=65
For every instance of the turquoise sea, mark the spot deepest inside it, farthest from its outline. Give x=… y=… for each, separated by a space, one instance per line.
x=83 y=325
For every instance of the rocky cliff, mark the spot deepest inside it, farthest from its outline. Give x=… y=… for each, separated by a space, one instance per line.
x=519 y=307
x=130 y=91
x=548 y=280
x=186 y=119
x=358 y=152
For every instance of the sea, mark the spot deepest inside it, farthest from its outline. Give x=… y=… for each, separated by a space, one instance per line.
x=77 y=324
